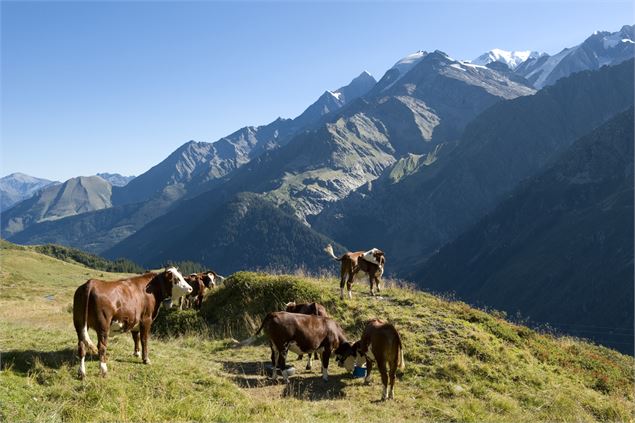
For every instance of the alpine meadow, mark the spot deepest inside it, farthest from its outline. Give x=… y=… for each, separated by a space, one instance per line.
x=442 y=230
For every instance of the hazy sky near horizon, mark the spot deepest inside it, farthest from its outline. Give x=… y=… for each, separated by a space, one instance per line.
x=92 y=87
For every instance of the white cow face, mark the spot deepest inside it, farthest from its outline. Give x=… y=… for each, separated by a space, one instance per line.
x=180 y=288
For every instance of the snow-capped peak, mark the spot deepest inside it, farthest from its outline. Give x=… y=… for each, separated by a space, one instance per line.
x=408 y=62
x=511 y=58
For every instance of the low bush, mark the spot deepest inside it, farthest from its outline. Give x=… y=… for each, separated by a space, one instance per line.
x=237 y=308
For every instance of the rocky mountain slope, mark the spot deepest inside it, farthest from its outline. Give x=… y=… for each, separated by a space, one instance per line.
x=560 y=248
x=436 y=198
x=75 y=196
x=248 y=232
x=427 y=106
x=17 y=187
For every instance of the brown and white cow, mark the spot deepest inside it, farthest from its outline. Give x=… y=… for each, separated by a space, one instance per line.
x=309 y=333
x=127 y=305
x=370 y=262
x=316 y=309
x=199 y=282
x=380 y=343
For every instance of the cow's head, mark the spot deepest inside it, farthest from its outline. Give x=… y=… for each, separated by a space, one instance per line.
x=209 y=280
x=346 y=355
x=177 y=285
x=376 y=256
x=290 y=307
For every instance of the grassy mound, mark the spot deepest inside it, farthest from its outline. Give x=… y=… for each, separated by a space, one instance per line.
x=237 y=308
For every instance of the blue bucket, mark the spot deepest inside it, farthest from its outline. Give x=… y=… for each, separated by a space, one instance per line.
x=359 y=371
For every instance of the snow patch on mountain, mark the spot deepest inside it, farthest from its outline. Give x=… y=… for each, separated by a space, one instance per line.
x=511 y=58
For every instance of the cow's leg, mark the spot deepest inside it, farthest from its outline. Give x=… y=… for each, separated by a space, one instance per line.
x=393 y=370
x=282 y=361
x=309 y=362
x=81 y=352
x=274 y=361
x=349 y=285
x=369 y=367
x=135 y=339
x=381 y=364
x=326 y=356
x=371 y=280
x=145 y=334
x=342 y=282
x=102 y=344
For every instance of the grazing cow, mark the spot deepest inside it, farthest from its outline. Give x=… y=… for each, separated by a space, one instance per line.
x=309 y=332
x=125 y=304
x=199 y=282
x=310 y=308
x=380 y=343
x=371 y=262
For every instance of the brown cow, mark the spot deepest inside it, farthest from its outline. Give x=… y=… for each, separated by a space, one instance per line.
x=306 y=308
x=380 y=343
x=310 y=333
x=125 y=304
x=199 y=282
x=370 y=262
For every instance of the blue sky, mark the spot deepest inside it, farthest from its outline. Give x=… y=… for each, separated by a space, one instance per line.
x=93 y=87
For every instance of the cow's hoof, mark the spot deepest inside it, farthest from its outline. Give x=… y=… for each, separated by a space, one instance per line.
x=307 y=367
x=146 y=361
x=81 y=375
x=137 y=354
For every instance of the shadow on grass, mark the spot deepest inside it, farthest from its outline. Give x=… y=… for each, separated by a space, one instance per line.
x=303 y=385
x=315 y=388
x=22 y=361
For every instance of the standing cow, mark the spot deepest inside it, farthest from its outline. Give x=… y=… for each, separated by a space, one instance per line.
x=380 y=343
x=199 y=282
x=370 y=262
x=306 y=308
x=310 y=333
x=126 y=304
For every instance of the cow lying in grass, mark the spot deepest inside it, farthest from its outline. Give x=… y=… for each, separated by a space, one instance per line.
x=306 y=308
x=308 y=332
x=126 y=305
x=370 y=262
x=380 y=343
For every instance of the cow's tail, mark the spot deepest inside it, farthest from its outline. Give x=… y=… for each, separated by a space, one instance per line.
x=330 y=252
x=252 y=338
x=401 y=363
x=80 y=316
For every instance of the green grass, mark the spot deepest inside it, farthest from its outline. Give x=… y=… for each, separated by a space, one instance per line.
x=462 y=364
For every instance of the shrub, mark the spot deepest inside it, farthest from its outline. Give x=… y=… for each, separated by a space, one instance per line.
x=238 y=307
x=174 y=322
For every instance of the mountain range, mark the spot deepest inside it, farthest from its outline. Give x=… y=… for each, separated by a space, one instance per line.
x=17 y=187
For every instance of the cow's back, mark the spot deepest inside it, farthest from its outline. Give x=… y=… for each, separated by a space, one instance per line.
x=382 y=336
x=309 y=332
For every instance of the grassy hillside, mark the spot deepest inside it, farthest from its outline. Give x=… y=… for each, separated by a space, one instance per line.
x=461 y=364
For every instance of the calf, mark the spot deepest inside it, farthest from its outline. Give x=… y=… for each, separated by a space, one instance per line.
x=310 y=308
x=370 y=262
x=126 y=304
x=380 y=343
x=309 y=332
